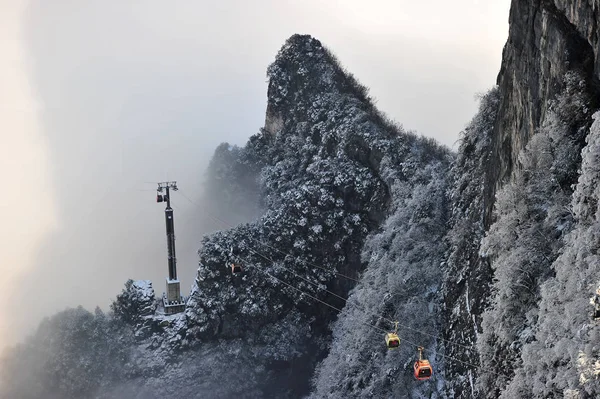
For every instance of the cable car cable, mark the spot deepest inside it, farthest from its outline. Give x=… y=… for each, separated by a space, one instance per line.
x=328 y=270
x=315 y=298
x=299 y=276
x=471 y=365
x=372 y=326
x=364 y=311
x=346 y=300
x=267 y=245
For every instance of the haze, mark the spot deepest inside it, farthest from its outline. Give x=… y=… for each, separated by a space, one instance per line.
x=99 y=97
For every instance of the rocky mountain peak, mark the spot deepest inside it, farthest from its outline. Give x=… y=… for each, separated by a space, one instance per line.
x=303 y=71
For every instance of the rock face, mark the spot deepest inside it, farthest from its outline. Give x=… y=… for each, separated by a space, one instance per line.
x=584 y=14
x=546 y=40
x=466 y=275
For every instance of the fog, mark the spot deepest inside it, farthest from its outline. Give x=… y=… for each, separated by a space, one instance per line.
x=101 y=97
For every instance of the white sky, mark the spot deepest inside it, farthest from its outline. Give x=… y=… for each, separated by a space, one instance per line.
x=99 y=97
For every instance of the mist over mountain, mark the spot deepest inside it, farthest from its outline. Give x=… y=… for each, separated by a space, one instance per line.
x=343 y=223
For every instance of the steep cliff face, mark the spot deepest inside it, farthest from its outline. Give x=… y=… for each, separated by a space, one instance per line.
x=547 y=39
x=549 y=76
x=583 y=15
x=466 y=275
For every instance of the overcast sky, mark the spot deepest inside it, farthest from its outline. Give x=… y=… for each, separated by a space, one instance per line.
x=99 y=97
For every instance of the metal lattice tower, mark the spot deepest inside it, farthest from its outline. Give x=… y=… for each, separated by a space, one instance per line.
x=172 y=299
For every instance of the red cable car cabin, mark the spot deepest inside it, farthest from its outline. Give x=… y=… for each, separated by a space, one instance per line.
x=423 y=370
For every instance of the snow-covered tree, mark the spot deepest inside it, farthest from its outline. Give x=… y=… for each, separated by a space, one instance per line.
x=134 y=302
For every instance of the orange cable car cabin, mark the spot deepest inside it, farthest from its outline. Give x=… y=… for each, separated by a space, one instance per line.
x=423 y=370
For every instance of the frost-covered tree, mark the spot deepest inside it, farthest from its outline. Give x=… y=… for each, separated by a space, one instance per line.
x=134 y=302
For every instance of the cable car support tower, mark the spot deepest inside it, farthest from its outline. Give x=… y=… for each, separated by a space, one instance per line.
x=173 y=301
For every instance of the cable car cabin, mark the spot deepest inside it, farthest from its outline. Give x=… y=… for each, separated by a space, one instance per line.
x=596 y=302
x=423 y=370
x=596 y=312
x=236 y=268
x=392 y=340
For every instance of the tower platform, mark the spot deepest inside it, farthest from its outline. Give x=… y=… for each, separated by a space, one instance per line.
x=173 y=301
